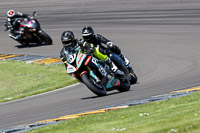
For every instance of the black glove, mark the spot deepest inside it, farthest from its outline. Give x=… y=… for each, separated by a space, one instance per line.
x=113 y=48
x=90 y=51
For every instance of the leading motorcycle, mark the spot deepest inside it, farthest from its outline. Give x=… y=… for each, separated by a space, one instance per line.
x=95 y=74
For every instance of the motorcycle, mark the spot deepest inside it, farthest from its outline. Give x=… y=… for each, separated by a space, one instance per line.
x=32 y=32
x=95 y=74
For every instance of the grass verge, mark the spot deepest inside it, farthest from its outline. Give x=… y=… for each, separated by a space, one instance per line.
x=18 y=79
x=180 y=115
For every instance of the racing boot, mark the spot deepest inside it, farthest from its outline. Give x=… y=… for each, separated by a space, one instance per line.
x=127 y=62
x=15 y=37
x=113 y=67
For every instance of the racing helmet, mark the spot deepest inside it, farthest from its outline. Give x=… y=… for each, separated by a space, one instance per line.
x=67 y=38
x=11 y=13
x=87 y=33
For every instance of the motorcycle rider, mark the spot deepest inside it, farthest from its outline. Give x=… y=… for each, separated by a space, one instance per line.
x=69 y=42
x=97 y=40
x=12 y=23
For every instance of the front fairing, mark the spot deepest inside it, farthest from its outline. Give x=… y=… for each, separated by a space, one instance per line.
x=80 y=58
x=75 y=59
x=70 y=69
x=70 y=57
x=30 y=23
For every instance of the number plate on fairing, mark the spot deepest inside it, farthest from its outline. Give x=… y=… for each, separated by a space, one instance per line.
x=70 y=69
x=71 y=58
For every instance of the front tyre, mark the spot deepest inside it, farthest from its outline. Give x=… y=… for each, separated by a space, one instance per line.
x=92 y=87
x=45 y=38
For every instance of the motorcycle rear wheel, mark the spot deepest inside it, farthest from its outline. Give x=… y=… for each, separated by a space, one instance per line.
x=133 y=78
x=124 y=86
x=24 y=44
x=92 y=87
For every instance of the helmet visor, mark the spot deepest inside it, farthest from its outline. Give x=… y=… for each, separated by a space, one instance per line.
x=87 y=37
x=67 y=43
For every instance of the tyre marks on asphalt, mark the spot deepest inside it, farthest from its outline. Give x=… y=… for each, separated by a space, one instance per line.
x=31 y=59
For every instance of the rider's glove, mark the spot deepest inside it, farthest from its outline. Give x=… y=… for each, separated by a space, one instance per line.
x=109 y=44
x=113 y=48
x=19 y=32
x=90 y=51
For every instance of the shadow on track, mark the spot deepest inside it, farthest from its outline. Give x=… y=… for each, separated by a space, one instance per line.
x=113 y=93
x=32 y=45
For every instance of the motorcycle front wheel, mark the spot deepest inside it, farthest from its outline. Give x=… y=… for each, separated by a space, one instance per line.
x=92 y=87
x=46 y=38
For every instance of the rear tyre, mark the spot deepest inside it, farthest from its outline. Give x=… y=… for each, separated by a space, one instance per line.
x=46 y=38
x=124 y=86
x=24 y=44
x=133 y=78
x=92 y=87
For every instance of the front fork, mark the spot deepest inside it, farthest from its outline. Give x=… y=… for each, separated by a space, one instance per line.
x=93 y=75
x=37 y=34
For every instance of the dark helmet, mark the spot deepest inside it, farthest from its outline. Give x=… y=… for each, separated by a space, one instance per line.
x=11 y=13
x=67 y=38
x=87 y=33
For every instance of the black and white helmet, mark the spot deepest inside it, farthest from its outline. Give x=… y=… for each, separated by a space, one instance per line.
x=87 y=33
x=67 y=38
x=11 y=13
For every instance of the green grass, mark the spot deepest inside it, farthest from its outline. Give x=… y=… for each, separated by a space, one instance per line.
x=180 y=115
x=18 y=79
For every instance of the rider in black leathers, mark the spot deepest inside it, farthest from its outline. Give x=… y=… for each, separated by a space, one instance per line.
x=69 y=42
x=12 y=23
x=97 y=39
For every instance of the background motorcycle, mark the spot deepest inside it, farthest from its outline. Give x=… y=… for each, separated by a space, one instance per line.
x=89 y=71
x=32 y=32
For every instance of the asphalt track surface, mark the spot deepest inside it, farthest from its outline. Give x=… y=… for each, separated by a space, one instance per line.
x=160 y=37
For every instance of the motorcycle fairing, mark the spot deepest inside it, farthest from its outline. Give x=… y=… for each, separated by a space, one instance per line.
x=113 y=82
x=80 y=58
x=70 y=69
x=29 y=22
x=71 y=58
